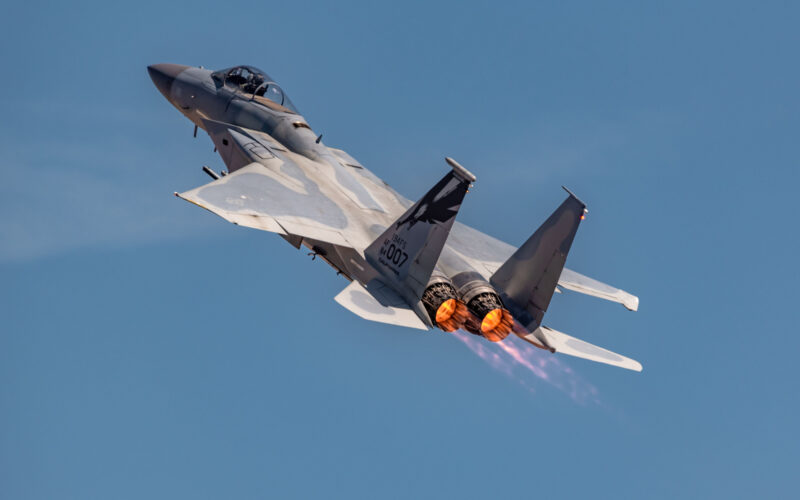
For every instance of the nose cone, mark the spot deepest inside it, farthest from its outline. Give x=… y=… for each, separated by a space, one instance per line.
x=163 y=75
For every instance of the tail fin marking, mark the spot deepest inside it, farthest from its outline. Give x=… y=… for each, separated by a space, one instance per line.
x=406 y=253
x=529 y=277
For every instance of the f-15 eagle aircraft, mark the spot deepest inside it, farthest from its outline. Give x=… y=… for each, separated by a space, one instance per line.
x=409 y=264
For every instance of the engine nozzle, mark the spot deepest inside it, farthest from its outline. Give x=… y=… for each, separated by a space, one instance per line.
x=444 y=308
x=496 y=322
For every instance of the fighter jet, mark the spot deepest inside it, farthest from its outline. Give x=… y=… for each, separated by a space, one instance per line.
x=409 y=264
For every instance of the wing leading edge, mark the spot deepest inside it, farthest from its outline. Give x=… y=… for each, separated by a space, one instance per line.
x=262 y=198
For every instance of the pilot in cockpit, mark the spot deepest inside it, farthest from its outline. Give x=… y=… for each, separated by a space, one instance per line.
x=245 y=79
x=238 y=76
x=255 y=82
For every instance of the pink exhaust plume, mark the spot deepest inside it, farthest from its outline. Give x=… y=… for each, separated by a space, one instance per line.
x=518 y=360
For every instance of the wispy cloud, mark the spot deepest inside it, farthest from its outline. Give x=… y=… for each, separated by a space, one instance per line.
x=530 y=366
x=84 y=185
x=49 y=211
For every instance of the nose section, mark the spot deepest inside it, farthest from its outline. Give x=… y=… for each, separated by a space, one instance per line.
x=163 y=75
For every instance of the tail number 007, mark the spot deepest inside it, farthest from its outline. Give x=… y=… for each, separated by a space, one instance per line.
x=393 y=255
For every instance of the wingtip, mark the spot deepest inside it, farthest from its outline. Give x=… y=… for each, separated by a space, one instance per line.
x=631 y=303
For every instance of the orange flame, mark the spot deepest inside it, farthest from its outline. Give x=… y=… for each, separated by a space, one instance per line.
x=445 y=310
x=451 y=315
x=491 y=320
x=497 y=324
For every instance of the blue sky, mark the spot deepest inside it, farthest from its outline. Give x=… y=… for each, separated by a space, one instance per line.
x=149 y=349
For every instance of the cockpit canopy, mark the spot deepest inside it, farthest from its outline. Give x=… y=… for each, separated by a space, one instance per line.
x=254 y=82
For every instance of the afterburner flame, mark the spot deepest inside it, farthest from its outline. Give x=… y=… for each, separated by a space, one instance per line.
x=451 y=315
x=445 y=310
x=497 y=324
x=491 y=320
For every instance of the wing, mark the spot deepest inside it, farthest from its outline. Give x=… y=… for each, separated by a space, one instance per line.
x=329 y=198
x=487 y=254
x=274 y=195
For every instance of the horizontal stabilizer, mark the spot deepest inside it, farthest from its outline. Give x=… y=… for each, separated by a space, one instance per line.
x=378 y=302
x=583 y=284
x=564 y=344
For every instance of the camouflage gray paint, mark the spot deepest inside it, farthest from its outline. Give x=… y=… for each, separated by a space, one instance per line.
x=283 y=179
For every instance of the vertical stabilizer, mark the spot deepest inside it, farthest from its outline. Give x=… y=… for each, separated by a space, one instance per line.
x=406 y=253
x=529 y=277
